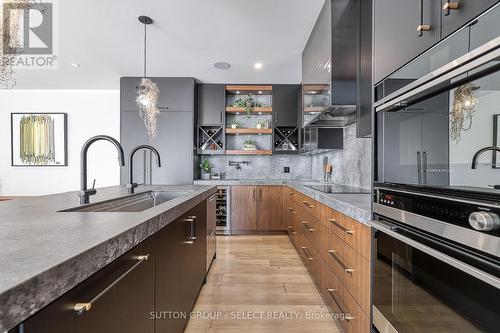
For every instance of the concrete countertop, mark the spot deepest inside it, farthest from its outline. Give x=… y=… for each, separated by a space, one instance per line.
x=44 y=252
x=356 y=206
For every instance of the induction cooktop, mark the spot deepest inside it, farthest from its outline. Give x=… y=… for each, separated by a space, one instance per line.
x=339 y=189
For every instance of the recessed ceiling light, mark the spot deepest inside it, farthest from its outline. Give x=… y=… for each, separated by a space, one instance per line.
x=258 y=65
x=222 y=65
x=75 y=64
x=238 y=92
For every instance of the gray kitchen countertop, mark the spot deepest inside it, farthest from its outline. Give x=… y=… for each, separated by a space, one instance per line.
x=356 y=206
x=44 y=252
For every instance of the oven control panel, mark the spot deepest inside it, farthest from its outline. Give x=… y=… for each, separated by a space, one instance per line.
x=470 y=214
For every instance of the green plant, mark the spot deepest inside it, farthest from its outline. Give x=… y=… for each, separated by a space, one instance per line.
x=235 y=123
x=249 y=142
x=240 y=103
x=206 y=166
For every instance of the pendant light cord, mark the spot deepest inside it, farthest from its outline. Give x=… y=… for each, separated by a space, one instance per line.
x=145 y=49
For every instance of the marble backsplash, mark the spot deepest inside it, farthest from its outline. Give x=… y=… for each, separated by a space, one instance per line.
x=352 y=165
x=263 y=167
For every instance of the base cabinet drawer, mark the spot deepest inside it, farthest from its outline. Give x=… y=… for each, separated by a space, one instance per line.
x=118 y=298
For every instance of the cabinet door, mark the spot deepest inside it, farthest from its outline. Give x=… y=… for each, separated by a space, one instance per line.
x=211 y=102
x=285 y=104
x=176 y=94
x=172 y=281
x=397 y=40
x=124 y=307
x=243 y=208
x=452 y=19
x=270 y=205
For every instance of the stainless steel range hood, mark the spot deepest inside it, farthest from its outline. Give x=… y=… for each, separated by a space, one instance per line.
x=330 y=64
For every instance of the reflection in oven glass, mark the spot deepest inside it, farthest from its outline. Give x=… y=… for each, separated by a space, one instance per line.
x=417 y=293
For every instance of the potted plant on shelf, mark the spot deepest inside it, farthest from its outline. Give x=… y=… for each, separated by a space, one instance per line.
x=234 y=123
x=249 y=145
x=262 y=124
x=206 y=169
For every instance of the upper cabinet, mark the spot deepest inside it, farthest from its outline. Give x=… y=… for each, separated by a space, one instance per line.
x=456 y=13
x=211 y=104
x=402 y=30
x=176 y=93
x=285 y=97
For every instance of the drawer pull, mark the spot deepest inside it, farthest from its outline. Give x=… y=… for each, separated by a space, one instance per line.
x=348 y=316
x=291 y=210
x=424 y=27
x=291 y=193
x=192 y=230
x=80 y=308
x=307 y=254
x=304 y=223
x=305 y=203
x=335 y=223
x=341 y=263
x=447 y=6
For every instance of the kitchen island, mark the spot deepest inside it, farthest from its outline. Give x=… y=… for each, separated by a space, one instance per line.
x=46 y=252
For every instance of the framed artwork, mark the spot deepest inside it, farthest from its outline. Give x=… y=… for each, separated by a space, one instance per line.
x=496 y=137
x=39 y=139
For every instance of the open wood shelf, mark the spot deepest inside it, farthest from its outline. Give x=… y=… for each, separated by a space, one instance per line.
x=249 y=152
x=249 y=130
x=248 y=88
x=256 y=110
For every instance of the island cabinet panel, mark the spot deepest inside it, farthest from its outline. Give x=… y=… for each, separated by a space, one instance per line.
x=180 y=269
x=121 y=297
x=257 y=208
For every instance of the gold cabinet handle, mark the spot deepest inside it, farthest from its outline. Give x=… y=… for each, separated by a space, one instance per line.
x=305 y=203
x=291 y=210
x=306 y=254
x=333 y=254
x=448 y=5
x=424 y=27
x=341 y=227
x=306 y=225
x=348 y=316
x=81 y=307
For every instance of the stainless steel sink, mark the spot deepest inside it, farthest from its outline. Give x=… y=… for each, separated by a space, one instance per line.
x=133 y=203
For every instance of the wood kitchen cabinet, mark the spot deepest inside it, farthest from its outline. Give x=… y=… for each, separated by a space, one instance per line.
x=257 y=208
x=121 y=296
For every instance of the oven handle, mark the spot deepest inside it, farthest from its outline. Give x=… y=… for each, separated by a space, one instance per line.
x=439 y=80
x=466 y=268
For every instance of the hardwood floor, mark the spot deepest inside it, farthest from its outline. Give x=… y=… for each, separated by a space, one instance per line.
x=259 y=284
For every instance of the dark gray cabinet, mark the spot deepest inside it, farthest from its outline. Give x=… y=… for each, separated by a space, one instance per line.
x=211 y=104
x=176 y=93
x=139 y=291
x=285 y=103
x=126 y=289
x=318 y=138
x=396 y=39
x=180 y=268
x=456 y=13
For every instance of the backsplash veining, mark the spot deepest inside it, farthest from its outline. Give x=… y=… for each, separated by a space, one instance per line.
x=264 y=167
x=352 y=165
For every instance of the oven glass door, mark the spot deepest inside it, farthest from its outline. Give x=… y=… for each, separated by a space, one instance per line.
x=414 y=291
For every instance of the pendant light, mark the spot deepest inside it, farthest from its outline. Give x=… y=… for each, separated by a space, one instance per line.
x=148 y=92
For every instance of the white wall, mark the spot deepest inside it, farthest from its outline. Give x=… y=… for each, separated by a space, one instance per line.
x=90 y=112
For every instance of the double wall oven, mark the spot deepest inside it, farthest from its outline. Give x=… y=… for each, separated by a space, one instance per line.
x=437 y=188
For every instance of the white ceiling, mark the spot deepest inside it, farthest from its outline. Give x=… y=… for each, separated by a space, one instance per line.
x=106 y=39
